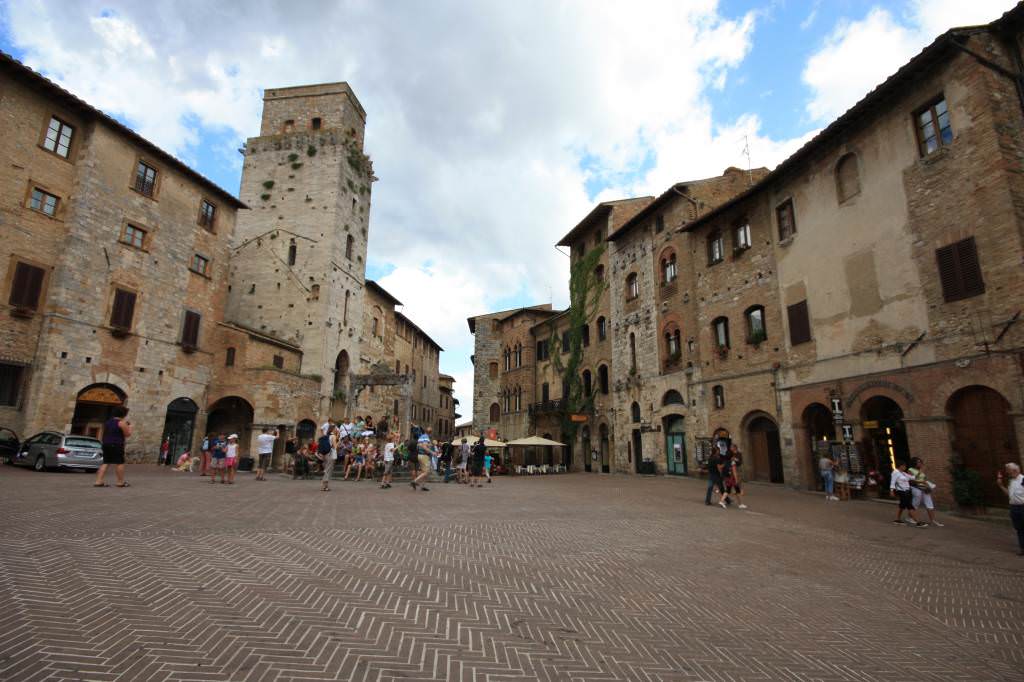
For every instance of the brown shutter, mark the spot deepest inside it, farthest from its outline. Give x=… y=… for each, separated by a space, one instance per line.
x=959 y=270
x=799 y=323
x=124 y=309
x=26 y=286
x=190 y=330
x=970 y=268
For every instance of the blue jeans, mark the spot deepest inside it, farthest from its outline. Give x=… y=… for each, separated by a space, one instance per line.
x=713 y=482
x=1017 y=517
x=829 y=480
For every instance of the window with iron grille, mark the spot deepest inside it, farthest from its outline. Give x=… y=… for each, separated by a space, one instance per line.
x=44 y=202
x=190 y=329
x=58 y=137
x=26 y=286
x=959 y=270
x=10 y=384
x=123 y=310
x=787 y=222
x=145 y=179
x=799 y=323
x=200 y=265
x=207 y=214
x=933 y=127
x=132 y=235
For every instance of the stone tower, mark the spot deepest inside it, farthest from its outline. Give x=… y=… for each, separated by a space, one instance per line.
x=299 y=259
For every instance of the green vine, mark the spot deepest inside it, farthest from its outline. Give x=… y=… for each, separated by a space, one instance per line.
x=293 y=157
x=310 y=150
x=297 y=165
x=265 y=197
x=585 y=290
x=268 y=184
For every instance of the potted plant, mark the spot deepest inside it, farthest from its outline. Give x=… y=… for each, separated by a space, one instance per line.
x=967 y=487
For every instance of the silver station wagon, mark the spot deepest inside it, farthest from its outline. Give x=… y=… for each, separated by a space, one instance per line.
x=55 y=450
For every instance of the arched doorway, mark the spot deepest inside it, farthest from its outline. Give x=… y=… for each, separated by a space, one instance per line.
x=820 y=428
x=885 y=436
x=764 y=452
x=983 y=436
x=231 y=415
x=93 y=408
x=586 y=449
x=179 y=427
x=605 y=449
x=675 y=445
x=305 y=431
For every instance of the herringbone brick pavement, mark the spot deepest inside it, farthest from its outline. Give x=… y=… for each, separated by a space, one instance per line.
x=568 y=577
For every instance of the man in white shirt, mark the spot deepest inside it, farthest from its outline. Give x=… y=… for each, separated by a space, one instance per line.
x=900 y=484
x=1013 y=486
x=389 y=461
x=327 y=427
x=264 y=450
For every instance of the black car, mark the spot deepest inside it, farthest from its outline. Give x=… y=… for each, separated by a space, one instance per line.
x=8 y=445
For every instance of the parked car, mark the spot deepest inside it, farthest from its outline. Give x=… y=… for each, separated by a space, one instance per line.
x=55 y=450
x=9 y=445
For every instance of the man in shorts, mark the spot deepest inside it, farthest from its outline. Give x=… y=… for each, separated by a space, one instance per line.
x=423 y=451
x=464 y=453
x=265 y=450
x=389 y=461
x=476 y=464
x=218 y=459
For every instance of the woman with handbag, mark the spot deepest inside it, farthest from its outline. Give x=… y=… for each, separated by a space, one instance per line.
x=921 y=490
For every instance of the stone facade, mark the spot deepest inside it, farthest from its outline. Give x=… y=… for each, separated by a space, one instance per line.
x=131 y=279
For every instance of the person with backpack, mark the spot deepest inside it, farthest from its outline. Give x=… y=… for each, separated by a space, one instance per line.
x=420 y=445
x=326 y=449
x=476 y=465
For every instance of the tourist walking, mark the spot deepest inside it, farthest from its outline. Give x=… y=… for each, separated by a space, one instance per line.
x=333 y=443
x=165 y=452
x=488 y=460
x=265 y=451
x=231 y=459
x=1013 y=486
x=921 y=490
x=714 y=467
x=116 y=430
x=732 y=482
x=464 y=452
x=204 y=465
x=477 y=463
x=389 y=461
x=899 y=483
x=218 y=458
x=421 y=447
x=826 y=469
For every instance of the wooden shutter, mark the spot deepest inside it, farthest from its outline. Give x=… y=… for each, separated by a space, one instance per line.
x=799 y=323
x=26 y=286
x=190 y=330
x=959 y=270
x=123 y=310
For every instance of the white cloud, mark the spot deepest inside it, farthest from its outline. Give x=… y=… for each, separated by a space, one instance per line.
x=479 y=115
x=859 y=55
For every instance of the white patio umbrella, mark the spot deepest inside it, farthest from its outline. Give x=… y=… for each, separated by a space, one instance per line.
x=535 y=441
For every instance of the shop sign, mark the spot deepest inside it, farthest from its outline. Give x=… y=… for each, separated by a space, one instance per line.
x=578 y=418
x=870 y=424
x=847 y=433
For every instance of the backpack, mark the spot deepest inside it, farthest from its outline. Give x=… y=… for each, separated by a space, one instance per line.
x=323 y=446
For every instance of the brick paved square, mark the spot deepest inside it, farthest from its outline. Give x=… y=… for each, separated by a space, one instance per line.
x=568 y=577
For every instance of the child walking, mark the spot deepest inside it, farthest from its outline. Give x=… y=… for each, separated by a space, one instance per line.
x=231 y=460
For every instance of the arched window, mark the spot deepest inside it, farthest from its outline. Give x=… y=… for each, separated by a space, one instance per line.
x=668 y=268
x=756 y=331
x=495 y=412
x=519 y=355
x=634 y=412
x=632 y=287
x=672 y=397
x=507 y=355
x=349 y=244
x=602 y=378
x=587 y=382
x=847 y=177
x=602 y=328
x=718 y=392
x=229 y=357
x=720 y=332
x=519 y=398
x=632 y=352
x=673 y=342
x=292 y=249
x=716 y=248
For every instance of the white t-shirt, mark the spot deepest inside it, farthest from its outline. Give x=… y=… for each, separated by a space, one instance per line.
x=325 y=428
x=389 y=452
x=900 y=480
x=1016 y=489
x=232 y=450
x=265 y=443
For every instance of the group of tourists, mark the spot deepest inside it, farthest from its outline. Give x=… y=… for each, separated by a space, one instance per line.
x=724 y=480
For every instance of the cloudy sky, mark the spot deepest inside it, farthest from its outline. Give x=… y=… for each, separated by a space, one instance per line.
x=493 y=125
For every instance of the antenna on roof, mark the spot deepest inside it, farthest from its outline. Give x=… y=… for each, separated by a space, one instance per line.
x=746 y=153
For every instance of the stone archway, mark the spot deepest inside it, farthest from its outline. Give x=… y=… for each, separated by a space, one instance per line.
x=983 y=435
x=179 y=427
x=819 y=427
x=763 y=461
x=885 y=435
x=93 y=407
x=229 y=415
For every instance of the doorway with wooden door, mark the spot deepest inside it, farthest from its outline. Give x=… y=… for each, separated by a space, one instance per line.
x=675 y=447
x=764 y=456
x=983 y=436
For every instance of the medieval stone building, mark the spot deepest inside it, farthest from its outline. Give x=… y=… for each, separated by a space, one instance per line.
x=869 y=286
x=131 y=279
